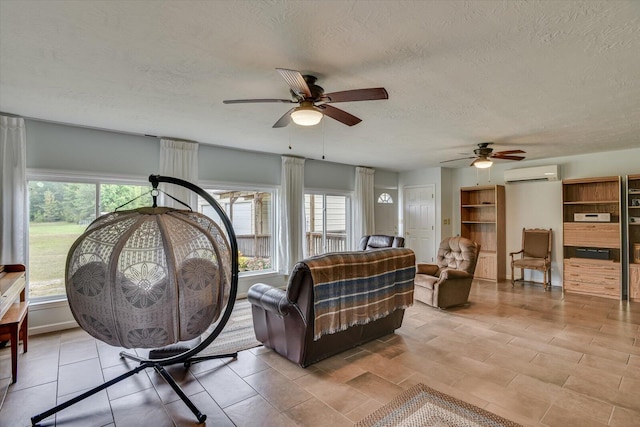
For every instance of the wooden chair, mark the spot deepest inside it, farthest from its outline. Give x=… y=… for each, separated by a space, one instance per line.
x=534 y=255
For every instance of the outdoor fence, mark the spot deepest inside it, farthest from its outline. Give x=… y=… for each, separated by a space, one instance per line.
x=259 y=245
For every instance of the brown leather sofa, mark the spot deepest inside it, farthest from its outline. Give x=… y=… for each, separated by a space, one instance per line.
x=285 y=320
x=377 y=241
x=448 y=282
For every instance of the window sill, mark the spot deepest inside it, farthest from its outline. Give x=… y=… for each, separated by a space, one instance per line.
x=51 y=303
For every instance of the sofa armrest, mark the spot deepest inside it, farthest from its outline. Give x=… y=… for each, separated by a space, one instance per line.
x=430 y=269
x=454 y=275
x=269 y=298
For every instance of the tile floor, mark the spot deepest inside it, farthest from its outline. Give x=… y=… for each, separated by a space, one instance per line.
x=535 y=357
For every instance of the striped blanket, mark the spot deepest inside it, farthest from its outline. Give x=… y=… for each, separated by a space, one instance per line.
x=353 y=288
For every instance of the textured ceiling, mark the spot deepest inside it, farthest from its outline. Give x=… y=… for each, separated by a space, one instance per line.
x=553 y=78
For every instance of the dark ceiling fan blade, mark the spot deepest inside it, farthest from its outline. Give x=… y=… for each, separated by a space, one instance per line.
x=296 y=82
x=506 y=157
x=455 y=160
x=248 y=101
x=510 y=152
x=358 y=95
x=284 y=120
x=339 y=115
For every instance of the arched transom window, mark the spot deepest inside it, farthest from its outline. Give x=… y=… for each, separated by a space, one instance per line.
x=385 y=198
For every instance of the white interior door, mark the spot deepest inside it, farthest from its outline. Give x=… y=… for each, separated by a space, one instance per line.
x=420 y=222
x=386 y=212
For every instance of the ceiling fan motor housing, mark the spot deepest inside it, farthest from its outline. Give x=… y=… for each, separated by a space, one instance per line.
x=483 y=149
x=316 y=91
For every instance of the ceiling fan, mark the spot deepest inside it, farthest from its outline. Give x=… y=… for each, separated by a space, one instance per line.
x=313 y=102
x=484 y=154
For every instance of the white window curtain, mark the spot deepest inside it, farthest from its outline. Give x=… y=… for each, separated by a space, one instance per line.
x=179 y=159
x=363 y=219
x=13 y=191
x=291 y=226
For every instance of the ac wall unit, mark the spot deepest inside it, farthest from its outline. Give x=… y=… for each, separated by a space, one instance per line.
x=536 y=173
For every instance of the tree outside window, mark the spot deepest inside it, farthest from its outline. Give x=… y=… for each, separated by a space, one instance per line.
x=59 y=212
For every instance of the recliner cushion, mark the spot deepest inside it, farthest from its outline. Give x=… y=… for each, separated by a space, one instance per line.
x=425 y=281
x=456 y=253
x=376 y=242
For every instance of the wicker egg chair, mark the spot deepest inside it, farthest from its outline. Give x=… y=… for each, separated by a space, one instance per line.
x=156 y=278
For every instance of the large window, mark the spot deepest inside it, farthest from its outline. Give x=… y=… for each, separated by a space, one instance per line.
x=326 y=223
x=251 y=213
x=59 y=212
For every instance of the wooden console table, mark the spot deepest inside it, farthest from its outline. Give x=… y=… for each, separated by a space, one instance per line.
x=14 y=311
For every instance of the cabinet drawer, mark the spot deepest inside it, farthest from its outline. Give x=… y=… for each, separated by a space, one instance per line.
x=610 y=291
x=605 y=235
x=486 y=268
x=592 y=271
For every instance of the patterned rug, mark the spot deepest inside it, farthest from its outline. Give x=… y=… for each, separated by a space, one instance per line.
x=237 y=334
x=424 y=406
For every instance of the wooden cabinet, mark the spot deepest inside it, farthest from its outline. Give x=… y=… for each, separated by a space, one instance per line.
x=603 y=278
x=633 y=236
x=482 y=217
x=592 y=235
x=592 y=249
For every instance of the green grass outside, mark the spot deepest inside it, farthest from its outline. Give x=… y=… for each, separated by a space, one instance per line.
x=49 y=243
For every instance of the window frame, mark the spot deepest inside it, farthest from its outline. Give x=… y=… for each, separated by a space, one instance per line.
x=387 y=200
x=208 y=185
x=34 y=174
x=348 y=195
x=75 y=178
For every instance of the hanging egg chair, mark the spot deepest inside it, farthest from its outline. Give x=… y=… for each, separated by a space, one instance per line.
x=148 y=277
x=154 y=277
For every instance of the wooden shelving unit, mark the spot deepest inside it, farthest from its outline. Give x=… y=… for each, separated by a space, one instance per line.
x=584 y=240
x=633 y=236
x=482 y=217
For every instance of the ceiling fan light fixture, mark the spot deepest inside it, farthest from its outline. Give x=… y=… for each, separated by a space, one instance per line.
x=306 y=115
x=482 y=163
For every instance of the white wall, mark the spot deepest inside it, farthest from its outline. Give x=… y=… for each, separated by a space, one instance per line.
x=221 y=164
x=386 y=179
x=52 y=146
x=323 y=175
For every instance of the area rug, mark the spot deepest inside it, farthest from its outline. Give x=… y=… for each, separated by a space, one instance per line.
x=424 y=406
x=237 y=334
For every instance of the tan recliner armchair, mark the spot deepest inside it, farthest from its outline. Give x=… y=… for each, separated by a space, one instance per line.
x=448 y=282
